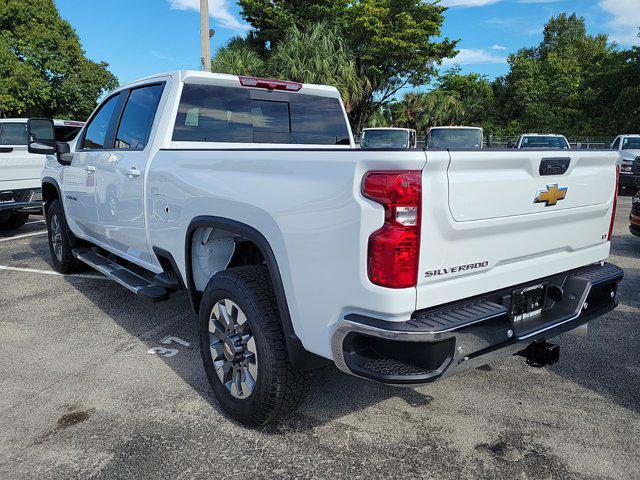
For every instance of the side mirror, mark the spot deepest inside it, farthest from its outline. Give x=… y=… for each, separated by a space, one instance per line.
x=63 y=153
x=41 y=136
x=510 y=144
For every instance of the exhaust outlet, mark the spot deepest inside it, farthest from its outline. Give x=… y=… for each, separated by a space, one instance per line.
x=541 y=354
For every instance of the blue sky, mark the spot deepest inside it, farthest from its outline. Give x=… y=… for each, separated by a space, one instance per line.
x=142 y=37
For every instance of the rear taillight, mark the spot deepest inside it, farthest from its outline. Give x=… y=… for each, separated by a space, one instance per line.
x=270 y=84
x=394 y=249
x=615 y=203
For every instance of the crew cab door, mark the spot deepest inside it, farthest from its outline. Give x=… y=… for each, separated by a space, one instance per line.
x=79 y=178
x=120 y=174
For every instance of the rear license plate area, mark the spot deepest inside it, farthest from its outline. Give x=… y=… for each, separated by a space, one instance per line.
x=528 y=302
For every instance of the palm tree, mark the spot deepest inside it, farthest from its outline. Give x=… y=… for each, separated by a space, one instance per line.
x=238 y=57
x=424 y=110
x=318 y=55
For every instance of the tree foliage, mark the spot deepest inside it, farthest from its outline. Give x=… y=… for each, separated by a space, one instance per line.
x=393 y=42
x=43 y=68
x=315 y=55
x=571 y=83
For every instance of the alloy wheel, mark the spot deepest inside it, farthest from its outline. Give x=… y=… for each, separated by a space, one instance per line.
x=233 y=348
x=56 y=237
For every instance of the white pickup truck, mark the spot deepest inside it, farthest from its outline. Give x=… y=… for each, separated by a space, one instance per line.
x=298 y=249
x=20 y=170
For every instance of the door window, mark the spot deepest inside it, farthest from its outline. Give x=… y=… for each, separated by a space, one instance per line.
x=616 y=144
x=13 y=133
x=98 y=128
x=137 y=118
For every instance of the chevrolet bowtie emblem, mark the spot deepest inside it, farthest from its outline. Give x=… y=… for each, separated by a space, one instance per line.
x=551 y=196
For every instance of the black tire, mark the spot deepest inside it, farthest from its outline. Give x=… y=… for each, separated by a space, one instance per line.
x=60 y=241
x=15 y=221
x=279 y=388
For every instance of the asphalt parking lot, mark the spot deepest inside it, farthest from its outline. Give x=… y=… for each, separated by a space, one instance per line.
x=88 y=389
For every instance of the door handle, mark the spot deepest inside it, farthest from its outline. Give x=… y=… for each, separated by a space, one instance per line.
x=90 y=168
x=133 y=172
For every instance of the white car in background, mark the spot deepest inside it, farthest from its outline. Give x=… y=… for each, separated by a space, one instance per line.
x=455 y=137
x=628 y=147
x=543 y=140
x=388 y=137
x=20 y=188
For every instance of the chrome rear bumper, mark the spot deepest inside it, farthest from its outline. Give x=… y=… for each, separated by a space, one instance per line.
x=442 y=341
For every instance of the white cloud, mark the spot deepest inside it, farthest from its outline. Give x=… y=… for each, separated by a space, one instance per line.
x=473 y=56
x=625 y=20
x=498 y=47
x=467 y=3
x=218 y=9
x=539 y=1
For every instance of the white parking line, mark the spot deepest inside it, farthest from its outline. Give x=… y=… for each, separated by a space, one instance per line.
x=34 y=222
x=50 y=272
x=23 y=236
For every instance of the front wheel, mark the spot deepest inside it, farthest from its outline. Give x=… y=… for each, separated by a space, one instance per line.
x=60 y=241
x=243 y=348
x=15 y=221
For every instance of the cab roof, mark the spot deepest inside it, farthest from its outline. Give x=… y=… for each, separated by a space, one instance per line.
x=199 y=77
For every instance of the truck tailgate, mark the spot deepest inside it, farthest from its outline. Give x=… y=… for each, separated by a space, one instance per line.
x=492 y=219
x=19 y=169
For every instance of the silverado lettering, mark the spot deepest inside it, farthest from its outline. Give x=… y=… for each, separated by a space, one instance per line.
x=459 y=268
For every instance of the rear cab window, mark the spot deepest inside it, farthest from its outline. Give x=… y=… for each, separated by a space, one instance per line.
x=211 y=113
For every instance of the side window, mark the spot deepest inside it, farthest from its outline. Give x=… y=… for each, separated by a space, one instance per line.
x=96 y=135
x=137 y=118
x=616 y=144
x=13 y=133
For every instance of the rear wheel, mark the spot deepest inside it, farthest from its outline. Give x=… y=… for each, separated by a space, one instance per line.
x=60 y=241
x=15 y=221
x=243 y=348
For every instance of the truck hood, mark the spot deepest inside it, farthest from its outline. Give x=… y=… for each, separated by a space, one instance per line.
x=629 y=154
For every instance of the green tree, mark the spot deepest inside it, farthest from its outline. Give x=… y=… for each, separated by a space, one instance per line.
x=238 y=57
x=393 y=41
x=319 y=55
x=43 y=68
x=475 y=94
x=422 y=110
x=550 y=87
x=316 y=55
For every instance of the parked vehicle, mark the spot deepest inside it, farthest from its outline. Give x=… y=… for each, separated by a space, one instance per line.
x=388 y=138
x=455 y=137
x=635 y=215
x=628 y=147
x=297 y=249
x=20 y=170
x=542 y=140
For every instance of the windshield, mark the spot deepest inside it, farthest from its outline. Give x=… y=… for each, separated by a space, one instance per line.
x=384 y=139
x=632 y=143
x=455 y=138
x=544 y=142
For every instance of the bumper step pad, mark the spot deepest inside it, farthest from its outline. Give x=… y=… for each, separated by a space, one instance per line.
x=442 y=341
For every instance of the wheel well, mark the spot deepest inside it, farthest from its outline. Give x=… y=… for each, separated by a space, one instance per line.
x=49 y=193
x=234 y=244
x=215 y=249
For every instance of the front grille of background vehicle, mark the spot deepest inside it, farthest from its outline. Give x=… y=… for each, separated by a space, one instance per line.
x=636 y=166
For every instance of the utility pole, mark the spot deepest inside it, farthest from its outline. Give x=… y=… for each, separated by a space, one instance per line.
x=205 y=39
